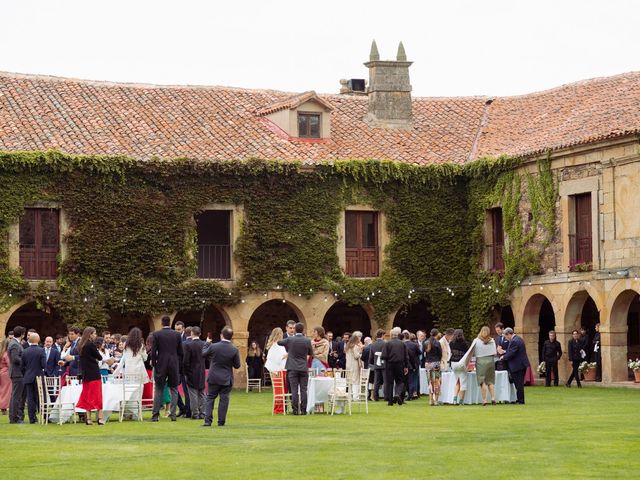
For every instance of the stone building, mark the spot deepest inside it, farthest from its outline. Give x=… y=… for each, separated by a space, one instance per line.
x=589 y=129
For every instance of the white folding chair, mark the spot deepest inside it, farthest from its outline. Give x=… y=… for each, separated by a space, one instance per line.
x=278 y=387
x=253 y=382
x=74 y=380
x=131 y=394
x=361 y=390
x=341 y=390
x=47 y=406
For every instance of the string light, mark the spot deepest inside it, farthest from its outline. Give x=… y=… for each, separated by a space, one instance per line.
x=325 y=299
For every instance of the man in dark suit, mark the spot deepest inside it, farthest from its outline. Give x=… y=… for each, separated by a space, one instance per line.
x=223 y=358
x=183 y=405
x=376 y=364
x=15 y=351
x=501 y=345
x=517 y=361
x=166 y=360
x=70 y=355
x=193 y=364
x=396 y=359
x=51 y=355
x=551 y=353
x=33 y=363
x=290 y=329
x=298 y=352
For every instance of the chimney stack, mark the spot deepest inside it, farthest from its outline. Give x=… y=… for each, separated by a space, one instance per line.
x=389 y=90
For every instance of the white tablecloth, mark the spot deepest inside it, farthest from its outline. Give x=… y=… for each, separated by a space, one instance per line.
x=112 y=394
x=505 y=391
x=318 y=391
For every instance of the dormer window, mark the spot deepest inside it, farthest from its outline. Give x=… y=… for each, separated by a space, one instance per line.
x=309 y=125
x=305 y=117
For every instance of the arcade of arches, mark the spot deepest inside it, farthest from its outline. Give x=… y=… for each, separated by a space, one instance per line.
x=534 y=310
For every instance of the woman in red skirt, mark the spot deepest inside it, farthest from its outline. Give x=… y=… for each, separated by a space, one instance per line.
x=90 y=358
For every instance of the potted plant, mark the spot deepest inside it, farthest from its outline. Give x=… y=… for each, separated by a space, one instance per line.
x=635 y=366
x=588 y=370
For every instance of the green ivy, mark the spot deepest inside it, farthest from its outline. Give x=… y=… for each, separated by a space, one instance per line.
x=132 y=238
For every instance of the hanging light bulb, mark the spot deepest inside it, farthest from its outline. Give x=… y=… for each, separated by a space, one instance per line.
x=242 y=301
x=124 y=300
x=47 y=297
x=159 y=290
x=163 y=300
x=409 y=296
x=368 y=299
x=195 y=293
x=325 y=299
x=86 y=299
x=203 y=302
x=311 y=289
x=284 y=301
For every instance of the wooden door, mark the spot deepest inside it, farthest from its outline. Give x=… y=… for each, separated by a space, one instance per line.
x=361 y=242
x=39 y=243
x=583 y=228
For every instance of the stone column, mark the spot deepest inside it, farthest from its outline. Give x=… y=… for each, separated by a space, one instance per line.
x=564 y=365
x=614 y=355
x=240 y=340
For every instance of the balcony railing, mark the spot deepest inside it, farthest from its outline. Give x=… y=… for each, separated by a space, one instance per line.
x=214 y=261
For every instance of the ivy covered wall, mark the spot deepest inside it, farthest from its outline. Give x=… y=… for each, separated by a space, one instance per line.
x=131 y=239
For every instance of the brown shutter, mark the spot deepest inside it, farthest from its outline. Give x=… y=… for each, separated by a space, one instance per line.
x=39 y=243
x=583 y=228
x=361 y=244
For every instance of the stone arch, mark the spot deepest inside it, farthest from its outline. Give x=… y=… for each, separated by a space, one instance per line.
x=342 y=317
x=531 y=313
x=4 y=316
x=46 y=322
x=417 y=316
x=621 y=336
x=579 y=309
x=269 y=315
x=211 y=320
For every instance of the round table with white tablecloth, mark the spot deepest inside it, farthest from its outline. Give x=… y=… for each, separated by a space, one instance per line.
x=504 y=390
x=112 y=394
x=318 y=391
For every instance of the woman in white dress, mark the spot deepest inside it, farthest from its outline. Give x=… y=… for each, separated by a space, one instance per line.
x=133 y=357
x=353 y=353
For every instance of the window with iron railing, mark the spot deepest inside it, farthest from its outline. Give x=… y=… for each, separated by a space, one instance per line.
x=39 y=243
x=361 y=242
x=214 y=244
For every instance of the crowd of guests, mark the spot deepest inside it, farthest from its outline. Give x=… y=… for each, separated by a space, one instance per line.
x=394 y=364
x=171 y=357
x=179 y=357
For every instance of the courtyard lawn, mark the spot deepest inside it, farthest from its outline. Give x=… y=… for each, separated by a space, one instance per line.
x=560 y=433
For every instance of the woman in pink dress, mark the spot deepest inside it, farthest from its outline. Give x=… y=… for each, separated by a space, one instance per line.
x=5 y=380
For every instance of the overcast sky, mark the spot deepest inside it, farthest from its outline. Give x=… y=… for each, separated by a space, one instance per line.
x=470 y=47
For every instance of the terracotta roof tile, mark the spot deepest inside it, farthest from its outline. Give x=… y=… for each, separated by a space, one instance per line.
x=215 y=123
x=570 y=115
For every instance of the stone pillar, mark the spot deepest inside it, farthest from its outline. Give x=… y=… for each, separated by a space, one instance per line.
x=240 y=340
x=564 y=365
x=614 y=356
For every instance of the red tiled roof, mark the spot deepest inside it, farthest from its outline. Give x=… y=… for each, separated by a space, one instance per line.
x=215 y=123
x=574 y=114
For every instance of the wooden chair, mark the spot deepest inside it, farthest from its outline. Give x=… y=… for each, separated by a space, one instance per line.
x=253 y=382
x=47 y=406
x=341 y=390
x=131 y=394
x=361 y=390
x=278 y=387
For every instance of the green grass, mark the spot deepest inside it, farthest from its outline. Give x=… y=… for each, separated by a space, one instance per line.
x=560 y=433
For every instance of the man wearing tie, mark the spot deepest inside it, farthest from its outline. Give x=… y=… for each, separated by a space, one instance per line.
x=517 y=361
x=33 y=363
x=223 y=358
x=501 y=345
x=298 y=352
x=70 y=355
x=52 y=356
